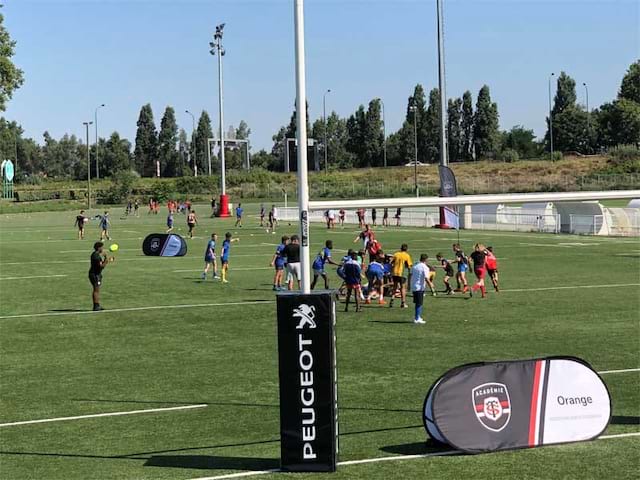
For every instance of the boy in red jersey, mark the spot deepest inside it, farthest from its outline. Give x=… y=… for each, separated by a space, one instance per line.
x=492 y=267
x=479 y=268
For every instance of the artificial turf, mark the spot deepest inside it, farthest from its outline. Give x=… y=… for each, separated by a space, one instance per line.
x=67 y=362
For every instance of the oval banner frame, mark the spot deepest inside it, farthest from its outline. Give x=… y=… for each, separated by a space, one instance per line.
x=164 y=245
x=485 y=407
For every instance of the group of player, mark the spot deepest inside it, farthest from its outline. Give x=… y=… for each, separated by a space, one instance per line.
x=103 y=222
x=331 y=217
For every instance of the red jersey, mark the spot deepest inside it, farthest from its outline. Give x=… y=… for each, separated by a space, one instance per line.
x=491 y=261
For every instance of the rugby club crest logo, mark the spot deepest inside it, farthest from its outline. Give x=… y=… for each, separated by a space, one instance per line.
x=492 y=405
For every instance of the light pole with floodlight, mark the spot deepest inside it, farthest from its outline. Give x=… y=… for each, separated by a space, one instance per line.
x=324 y=120
x=550 y=118
x=414 y=109
x=97 y=146
x=384 y=135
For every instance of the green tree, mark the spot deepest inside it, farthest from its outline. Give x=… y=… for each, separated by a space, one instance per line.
x=356 y=127
x=618 y=123
x=65 y=158
x=146 y=151
x=11 y=77
x=430 y=151
x=565 y=94
x=167 y=140
x=115 y=155
x=630 y=88
x=372 y=136
x=454 y=130
x=183 y=152
x=467 y=126
x=522 y=141
x=203 y=133
x=486 y=135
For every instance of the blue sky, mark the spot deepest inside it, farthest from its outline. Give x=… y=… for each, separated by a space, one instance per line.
x=77 y=54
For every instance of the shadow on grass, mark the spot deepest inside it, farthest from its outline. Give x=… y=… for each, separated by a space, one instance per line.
x=206 y=462
x=71 y=310
x=624 y=420
x=419 y=448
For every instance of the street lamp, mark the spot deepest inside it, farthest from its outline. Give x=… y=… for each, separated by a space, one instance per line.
x=384 y=135
x=86 y=124
x=217 y=48
x=194 y=143
x=550 y=118
x=586 y=91
x=324 y=120
x=414 y=109
x=97 y=147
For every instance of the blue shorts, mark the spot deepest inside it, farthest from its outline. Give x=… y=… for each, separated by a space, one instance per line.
x=209 y=259
x=225 y=259
x=463 y=267
x=319 y=272
x=372 y=276
x=279 y=267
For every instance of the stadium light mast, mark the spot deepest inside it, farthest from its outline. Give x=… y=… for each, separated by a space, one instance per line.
x=217 y=48
x=95 y=119
x=301 y=134
x=586 y=91
x=444 y=156
x=87 y=124
x=324 y=120
x=550 y=118
x=414 y=109
x=194 y=143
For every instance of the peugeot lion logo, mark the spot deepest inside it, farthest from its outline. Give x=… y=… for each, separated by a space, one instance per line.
x=306 y=314
x=492 y=405
x=155 y=245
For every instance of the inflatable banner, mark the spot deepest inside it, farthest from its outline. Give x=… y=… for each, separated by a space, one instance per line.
x=308 y=392
x=164 y=245
x=485 y=407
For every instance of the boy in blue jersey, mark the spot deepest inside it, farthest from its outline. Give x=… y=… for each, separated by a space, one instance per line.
x=170 y=222
x=104 y=226
x=352 y=273
x=463 y=267
x=239 y=212
x=278 y=261
x=375 y=276
x=319 y=263
x=210 y=257
x=226 y=249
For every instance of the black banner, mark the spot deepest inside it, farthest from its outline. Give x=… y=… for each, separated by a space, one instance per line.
x=520 y=404
x=308 y=394
x=164 y=245
x=448 y=185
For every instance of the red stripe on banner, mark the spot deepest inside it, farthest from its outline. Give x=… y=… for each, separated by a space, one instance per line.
x=479 y=408
x=534 y=404
x=504 y=404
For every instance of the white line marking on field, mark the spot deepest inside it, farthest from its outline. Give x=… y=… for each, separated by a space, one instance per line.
x=136 y=309
x=620 y=371
x=32 y=276
x=570 y=287
x=99 y=415
x=381 y=459
x=230 y=269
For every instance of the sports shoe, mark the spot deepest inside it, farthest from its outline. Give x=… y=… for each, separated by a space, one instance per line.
x=449 y=292
x=98 y=308
x=225 y=281
x=276 y=289
x=203 y=276
x=419 y=321
x=404 y=305
x=381 y=302
x=434 y=294
x=470 y=293
x=368 y=301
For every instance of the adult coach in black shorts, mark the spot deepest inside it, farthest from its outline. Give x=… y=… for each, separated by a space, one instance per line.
x=98 y=261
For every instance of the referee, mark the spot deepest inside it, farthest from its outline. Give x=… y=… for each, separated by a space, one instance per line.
x=98 y=261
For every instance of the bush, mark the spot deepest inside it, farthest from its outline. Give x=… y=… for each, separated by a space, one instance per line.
x=557 y=156
x=196 y=185
x=163 y=191
x=509 y=155
x=123 y=183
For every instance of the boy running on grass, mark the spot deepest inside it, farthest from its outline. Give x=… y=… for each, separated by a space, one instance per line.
x=352 y=272
x=399 y=262
x=104 y=226
x=319 y=263
x=239 y=212
x=463 y=266
x=478 y=256
x=210 y=257
x=226 y=249
x=278 y=261
x=192 y=221
x=448 y=273
x=80 y=221
x=170 y=221
x=492 y=267
x=418 y=279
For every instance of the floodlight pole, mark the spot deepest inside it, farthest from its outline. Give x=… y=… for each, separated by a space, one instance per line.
x=324 y=120
x=217 y=48
x=586 y=91
x=301 y=133
x=550 y=119
x=444 y=156
x=87 y=124
x=97 y=146
x=384 y=135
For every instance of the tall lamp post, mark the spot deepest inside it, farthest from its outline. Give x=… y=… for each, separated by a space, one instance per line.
x=324 y=120
x=550 y=118
x=217 y=48
x=194 y=143
x=384 y=135
x=95 y=119
x=414 y=109
x=87 y=124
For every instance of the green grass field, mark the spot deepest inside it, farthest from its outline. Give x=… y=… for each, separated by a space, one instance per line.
x=169 y=339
